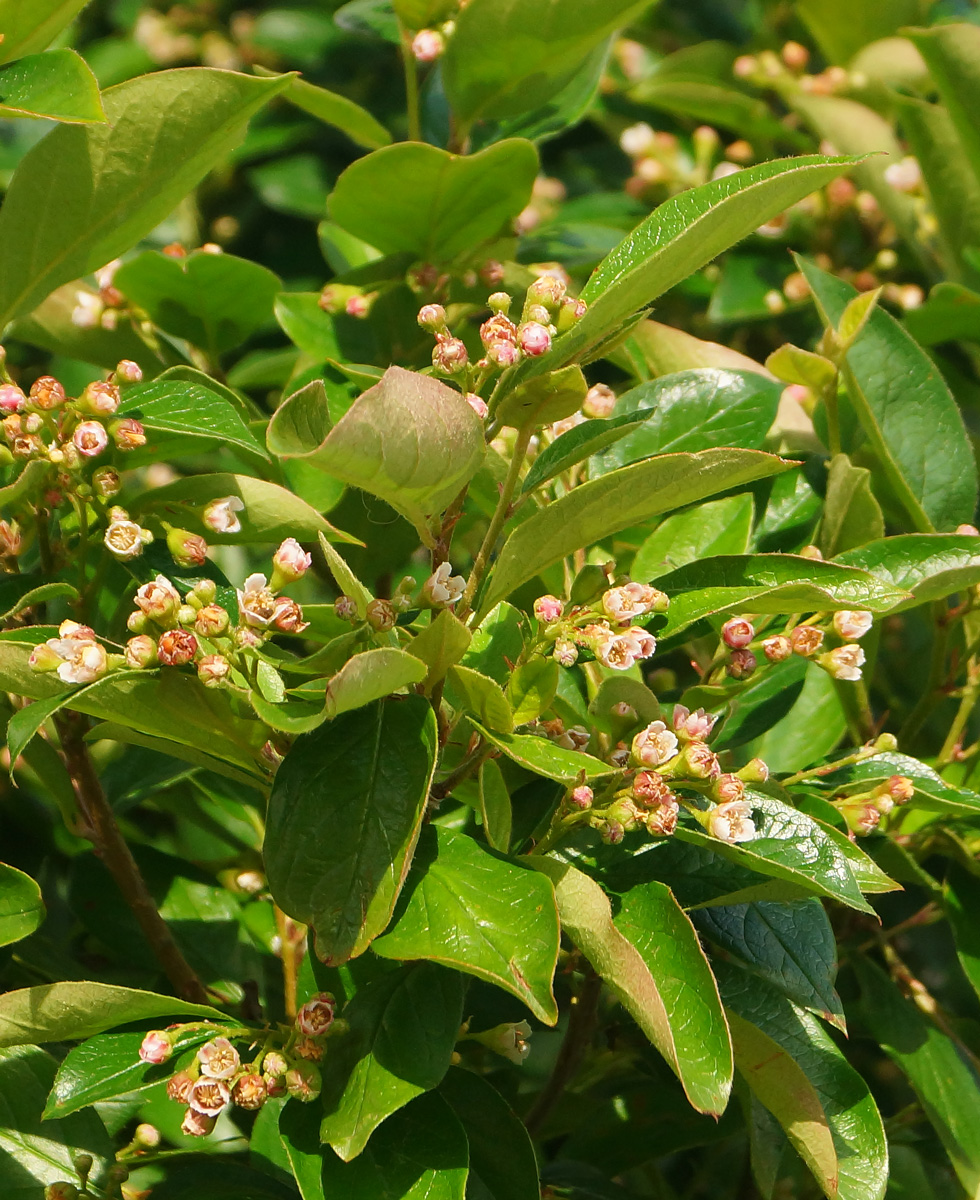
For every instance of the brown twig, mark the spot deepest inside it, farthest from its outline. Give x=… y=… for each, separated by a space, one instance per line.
x=111 y=847
x=581 y=1028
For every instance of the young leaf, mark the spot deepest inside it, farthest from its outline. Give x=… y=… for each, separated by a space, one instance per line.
x=602 y=507
x=436 y=205
x=29 y=30
x=165 y=131
x=469 y=691
x=479 y=912
x=57 y=85
x=21 y=907
x=543 y=757
x=402 y=1031
x=338 y=111
x=441 y=644
x=578 y=444
x=931 y=791
x=344 y=816
x=906 y=411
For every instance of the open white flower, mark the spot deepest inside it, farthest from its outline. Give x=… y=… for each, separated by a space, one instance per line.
x=257 y=603
x=442 y=588
x=219 y=515
x=83 y=659
x=732 y=822
x=845 y=662
x=125 y=539
x=852 y=625
x=654 y=745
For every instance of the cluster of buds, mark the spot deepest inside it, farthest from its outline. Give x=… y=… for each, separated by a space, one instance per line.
x=102 y=308
x=607 y=630
x=346 y=298
x=217 y=1078
x=664 y=165
x=662 y=763
x=843 y=662
x=863 y=810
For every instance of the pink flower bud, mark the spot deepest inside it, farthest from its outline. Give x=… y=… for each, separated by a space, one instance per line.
x=806 y=640
x=291 y=562
x=860 y=814
x=12 y=399
x=599 y=401
x=128 y=372
x=695 y=726
x=661 y=819
x=428 y=45
x=358 y=306
x=534 y=339
x=580 y=798
x=188 y=549
x=547 y=609
x=90 y=438
x=157 y=1047
x=449 y=356
x=478 y=404
x=492 y=272
x=572 y=310
x=213 y=670
x=99 y=398
x=611 y=831
x=317 y=1014
x=963 y=530
x=778 y=648
x=697 y=762
x=741 y=664
x=737 y=633
x=726 y=788
x=380 y=615
x=654 y=745
x=176 y=647
x=498 y=328
x=538 y=314
x=219 y=1059
x=197 y=1124
x=47 y=393
x=852 y=625
x=651 y=789
x=141 y=652
x=128 y=434
x=345 y=608
x=503 y=354
x=147 y=1136
x=812 y=552
x=900 y=788
x=432 y=317
x=220 y=516
x=731 y=822
x=249 y=1091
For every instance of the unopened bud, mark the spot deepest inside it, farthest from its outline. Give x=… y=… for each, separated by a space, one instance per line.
x=478 y=404
x=534 y=339
x=565 y=652
x=428 y=45
x=778 y=648
x=432 y=317
x=204 y=591
x=754 y=771
x=345 y=608
x=211 y=621
x=852 y=625
x=580 y=798
x=450 y=356
x=100 y=399
x=548 y=609
x=380 y=615
x=741 y=664
x=290 y=562
x=47 y=393
x=176 y=647
x=885 y=743
x=812 y=552
x=737 y=633
x=141 y=652
x=147 y=1136
x=806 y=640
x=12 y=399
x=157 y=1046
x=795 y=56
x=213 y=669
x=599 y=401
x=128 y=372
x=188 y=549
x=503 y=354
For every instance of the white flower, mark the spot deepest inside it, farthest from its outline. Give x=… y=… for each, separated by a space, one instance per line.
x=631 y=600
x=697 y=725
x=87 y=311
x=852 y=625
x=105 y=275
x=84 y=660
x=654 y=745
x=731 y=822
x=219 y=1059
x=442 y=588
x=642 y=644
x=637 y=139
x=219 y=515
x=844 y=663
x=256 y=602
x=158 y=599
x=125 y=539
x=618 y=652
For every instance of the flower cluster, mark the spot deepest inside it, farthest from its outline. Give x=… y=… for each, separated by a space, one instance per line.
x=842 y=662
x=607 y=629
x=217 y=1078
x=863 y=810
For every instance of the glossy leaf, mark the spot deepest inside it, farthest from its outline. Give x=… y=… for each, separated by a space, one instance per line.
x=770 y=583
x=496 y=644
x=30 y=30
x=718 y=527
x=495 y=806
x=470 y=692
x=906 y=411
x=214 y=301
x=930 y=566
x=758 y=705
x=852 y=516
x=602 y=507
x=947 y=1087
x=476 y=911
x=188 y=410
x=369 y=676
x=441 y=644
x=961 y=894
x=21 y=907
x=165 y=131
x=57 y=85
x=652 y=920
x=70 y=1011
x=543 y=757
x=578 y=444
x=402 y=1031
x=344 y=816
x=436 y=205
x=496 y=67
x=695 y=410
x=931 y=791
x=586 y=918
x=532 y=688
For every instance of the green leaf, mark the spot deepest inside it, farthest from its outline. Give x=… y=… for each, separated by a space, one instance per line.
x=852 y=515
x=769 y=583
x=497 y=643
x=790 y=945
x=490 y=1124
x=338 y=111
x=906 y=411
x=586 y=918
x=403 y=1028
x=951 y=312
x=602 y=507
x=32 y=1153
x=21 y=907
x=842 y=27
x=344 y=816
x=418 y=1154
x=947 y=1088
x=543 y=757
x=441 y=644
x=961 y=895
x=345 y=579
x=106 y=1066
x=28 y=30
x=475 y=910
x=26 y=721
x=544 y=399
x=809 y=731
x=788 y=845
x=434 y=204
x=579 y=444
x=930 y=566
x=652 y=920
x=214 y=301
x=495 y=806
x=497 y=65
x=103 y=187
x=271 y=512
x=718 y=527
x=470 y=692
x=677 y=239
x=695 y=410
x=186 y=409
x=57 y=85
x=369 y=676
x=849 y=1109
x=70 y=1011
x=532 y=688
x=932 y=793
x=761 y=703
x=952 y=54
x=410 y=439
x=619 y=689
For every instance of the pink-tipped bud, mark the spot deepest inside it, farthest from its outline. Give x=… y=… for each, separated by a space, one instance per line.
x=90 y=438
x=580 y=798
x=432 y=317
x=778 y=648
x=187 y=549
x=498 y=329
x=478 y=404
x=860 y=814
x=359 y=306
x=291 y=562
x=317 y=1015
x=12 y=399
x=428 y=45
x=101 y=399
x=806 y=640
x=503 y=354
x=450 y=356
x=176 y=647
x=745 y=66
x=900 y=788
x=698 y=762
x=157 y=1047
x=741 y=664
x=213 y=670
x=211 y=621
x=795 y=56
x=963 y=530
x=141 y=652
x=534 y=339
x=128 y=371
x=548 y=609
x=737 y=633
x=128 y=434
x=692 y=726
x=197 y=1124
x=651 y=790
x=599 y=401
x=47 y=393
x=852 y=625
x=754 y=771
